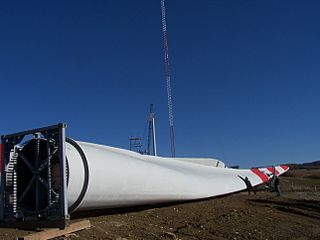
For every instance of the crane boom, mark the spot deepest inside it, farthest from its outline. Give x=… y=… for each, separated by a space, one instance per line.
x=168 y=77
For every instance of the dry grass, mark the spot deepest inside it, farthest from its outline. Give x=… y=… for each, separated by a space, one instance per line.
x=301 y=180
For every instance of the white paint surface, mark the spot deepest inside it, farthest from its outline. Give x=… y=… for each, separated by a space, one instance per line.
x=119 y=178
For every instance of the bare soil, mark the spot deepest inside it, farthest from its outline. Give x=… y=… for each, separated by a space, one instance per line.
x=294 y=215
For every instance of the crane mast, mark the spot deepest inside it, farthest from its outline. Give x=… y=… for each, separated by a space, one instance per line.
x=152 y=133
x=168 y=78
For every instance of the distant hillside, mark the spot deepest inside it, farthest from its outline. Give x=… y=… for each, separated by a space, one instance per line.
x=311 y=165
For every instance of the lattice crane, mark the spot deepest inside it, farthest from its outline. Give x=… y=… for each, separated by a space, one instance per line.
x=168 y=78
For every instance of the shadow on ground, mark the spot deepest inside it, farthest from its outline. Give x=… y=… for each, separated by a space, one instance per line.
x=308 y=208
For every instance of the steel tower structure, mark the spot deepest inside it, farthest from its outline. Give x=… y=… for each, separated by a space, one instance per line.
x=168 y=77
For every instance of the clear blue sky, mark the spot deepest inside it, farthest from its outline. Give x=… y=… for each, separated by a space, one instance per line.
x=245 y=74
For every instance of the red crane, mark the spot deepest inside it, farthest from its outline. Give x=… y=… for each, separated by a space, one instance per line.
x=168 y=78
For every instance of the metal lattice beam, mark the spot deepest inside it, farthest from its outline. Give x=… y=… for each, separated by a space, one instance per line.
x=168 y=76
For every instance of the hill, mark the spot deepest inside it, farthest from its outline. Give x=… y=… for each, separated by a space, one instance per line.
x=310 y=165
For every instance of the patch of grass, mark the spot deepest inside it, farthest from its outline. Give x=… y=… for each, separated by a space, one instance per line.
x=300 y=184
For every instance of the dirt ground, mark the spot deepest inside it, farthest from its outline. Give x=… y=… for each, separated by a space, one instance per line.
x=294 y=215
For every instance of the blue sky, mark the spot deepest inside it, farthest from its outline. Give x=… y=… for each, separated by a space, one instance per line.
x=245 y=74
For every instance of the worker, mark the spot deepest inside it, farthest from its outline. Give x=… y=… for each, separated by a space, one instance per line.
x=248 y=184
x=276 y=186
x=269 y=184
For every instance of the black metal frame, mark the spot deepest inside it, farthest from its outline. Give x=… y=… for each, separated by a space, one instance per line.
x=55 y=212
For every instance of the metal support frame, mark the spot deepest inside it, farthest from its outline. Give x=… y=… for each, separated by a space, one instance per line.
x=26 y=178
x=135 y=144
